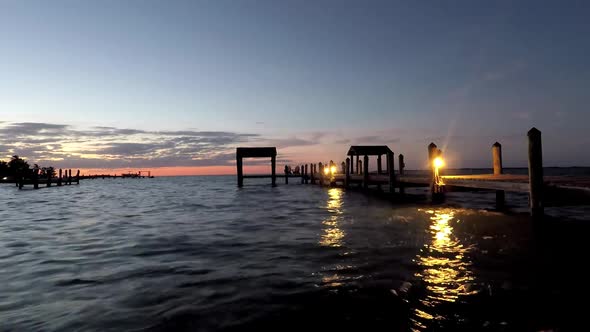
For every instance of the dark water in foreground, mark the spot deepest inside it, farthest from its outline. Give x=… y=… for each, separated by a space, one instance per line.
x=197 y=254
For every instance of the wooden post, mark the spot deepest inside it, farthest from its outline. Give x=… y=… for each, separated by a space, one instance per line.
x=361 y=167
x=402 y=165
x=286 y=174
x=21 y=181
x=535 y=173
x=358 y=163
x=60 y=178
x=273 y=163
x=313 y=171
x=321 y=171
x=49 y=181
x=36 y=178
x=431 y=155
x=391 y=172
x=497 y=164
x=306 y=174
x=78 y=177
x=70 y=176
x=366 y=172
x=302 y=173
x=343 y=167
x=379 y=164
x=347 y=173
x=240 y=171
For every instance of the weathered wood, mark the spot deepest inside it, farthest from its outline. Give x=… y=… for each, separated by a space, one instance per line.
x=347 y=173
x=321 y=171
x=302 y=171
x=78 y=177
x=402 y=165
x=535 y=173
x=239 y=164
x=306 y=174
x=273 y=168
x=286 y=174
x=497 y=165
x=36 y=178
x=69 y=177
x=379 y=170
x=366 y=172
x=391 y=171
x=313 y=173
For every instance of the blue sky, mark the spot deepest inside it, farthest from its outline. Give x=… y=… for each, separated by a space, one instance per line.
x=309 y=76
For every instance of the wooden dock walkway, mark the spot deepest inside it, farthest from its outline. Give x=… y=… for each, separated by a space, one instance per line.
x=543 y=190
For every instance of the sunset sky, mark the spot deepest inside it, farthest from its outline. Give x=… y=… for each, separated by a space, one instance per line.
x=175 y=86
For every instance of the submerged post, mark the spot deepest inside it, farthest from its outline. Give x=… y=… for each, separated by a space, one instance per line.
x=273 y=163
x=49 y=180
x=402 y=165
x=347 y=173
x=391 y=172
x=78 y=177
x=497 y=164
x=535 y=173
x=36 y=178
x=69 y=177
x=366 y=172
x=240 y=171
x=286 y=174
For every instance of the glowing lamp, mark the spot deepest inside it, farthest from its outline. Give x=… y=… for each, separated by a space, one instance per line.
x=438 y=162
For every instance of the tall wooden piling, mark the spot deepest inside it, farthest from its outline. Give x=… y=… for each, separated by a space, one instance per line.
x=36 y=178
x=302 y=172
x=497 y=164
x=239 y=165
x=347 y=173
x=59 y=179
x=78 y=177
x=321 y=171
x=306 y=174
x=366 y=172
x=273 y=163
x=343 y=167
x=432 y=151
x=391 y=172
x=49 y=180
x=69 y=176
x=361 y=167
x=402 y=165
x=286 y=174
x=312 y=175
x=358 y=165
x=379 y=164
x=535 y=173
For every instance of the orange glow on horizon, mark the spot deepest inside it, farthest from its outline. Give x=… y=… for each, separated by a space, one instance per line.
x=181 y=171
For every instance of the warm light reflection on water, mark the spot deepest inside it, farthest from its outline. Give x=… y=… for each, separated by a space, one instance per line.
x=332 y=236
x=445 y=268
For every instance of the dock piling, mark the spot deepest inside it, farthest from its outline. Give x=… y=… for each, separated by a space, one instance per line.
x=379 y=164
x=321 y=171
x=497 y=164
x=366 y=172
x=347 y=173
x=59 y=179
x=535 y=173
x=36 y=178
x=391 y=172
x=273 y=163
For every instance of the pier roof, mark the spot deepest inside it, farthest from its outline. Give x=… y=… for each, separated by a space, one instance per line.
x=256 y=152
x=368 y=150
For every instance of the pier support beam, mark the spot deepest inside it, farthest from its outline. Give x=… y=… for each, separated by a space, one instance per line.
x=59 y=179
x=358 y=168
x=286 y=174
x=436 y=189
x=497 y=164
x=321 y=171
x=306 y=174
x=78 y=177
x=402 y=165
x=366 y=172
x=347 y=172
x=273 y=170
x=535 y=173
x=391 y=172
x=379 y=170
x=36 y=178
x=239 y=163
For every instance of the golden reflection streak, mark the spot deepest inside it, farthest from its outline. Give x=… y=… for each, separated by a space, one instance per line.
x=446 y=272
x=332 y=236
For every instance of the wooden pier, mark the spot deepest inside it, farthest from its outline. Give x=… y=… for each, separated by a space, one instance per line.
x=543 y=190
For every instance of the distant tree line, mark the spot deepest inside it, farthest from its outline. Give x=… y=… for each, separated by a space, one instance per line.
x=20 y=167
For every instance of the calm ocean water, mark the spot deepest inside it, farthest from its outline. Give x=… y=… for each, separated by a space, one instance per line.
x=199 y=254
